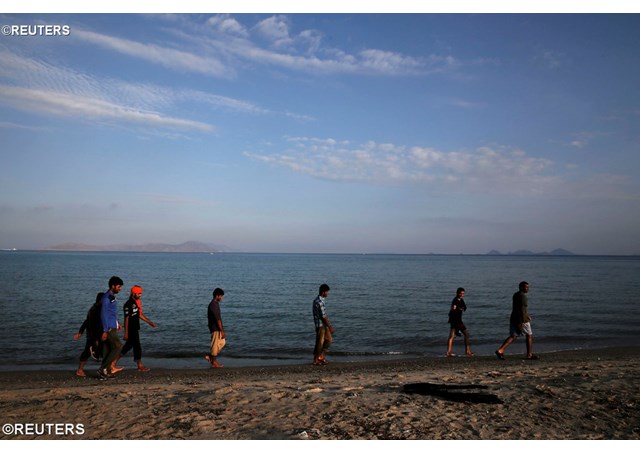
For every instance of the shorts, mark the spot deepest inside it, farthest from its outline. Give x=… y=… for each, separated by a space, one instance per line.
x=514 y=330
x=217 y=343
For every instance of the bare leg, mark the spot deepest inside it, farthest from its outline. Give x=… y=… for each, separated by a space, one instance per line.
x=452 y=334
x=467 y=344
x=529 y=346
x=114 y=366
x=80 y=371
x=506 y=344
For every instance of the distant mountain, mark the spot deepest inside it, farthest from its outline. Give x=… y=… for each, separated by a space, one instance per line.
x=521 y=253
x=556 y=252
x=185 y=247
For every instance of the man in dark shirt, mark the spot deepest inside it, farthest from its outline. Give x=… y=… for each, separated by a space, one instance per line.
x=132 y=316
x=455 y=320
x=215 y=328
x=93 y=326
x=519 y=322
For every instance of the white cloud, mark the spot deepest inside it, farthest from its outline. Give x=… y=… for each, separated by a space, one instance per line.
x=218 y=45
x=171 y=58
x=224 y=23
x=486 y=169
x=40 y=87
x=79 y=106
x=276 y=30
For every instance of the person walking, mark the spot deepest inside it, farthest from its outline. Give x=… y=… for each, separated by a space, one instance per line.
x=110 y=327
x=457 y=326
x=324 y=329
x=132 y=315
x=519 y=323
x=216 y=328
x=93 y=326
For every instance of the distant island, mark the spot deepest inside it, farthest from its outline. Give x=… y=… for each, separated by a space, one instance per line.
x=202 y=247
x=556 y=252
x=185 y=247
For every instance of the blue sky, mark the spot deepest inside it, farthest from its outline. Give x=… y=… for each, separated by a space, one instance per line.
x=393 y=133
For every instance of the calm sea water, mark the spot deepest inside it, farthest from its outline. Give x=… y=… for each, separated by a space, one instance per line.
x=381 y=305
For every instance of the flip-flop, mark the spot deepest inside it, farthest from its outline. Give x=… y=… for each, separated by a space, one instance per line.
x=451 y=354
x=533 y=357
x=500 y=355
x=80 y=373
x=144 y=368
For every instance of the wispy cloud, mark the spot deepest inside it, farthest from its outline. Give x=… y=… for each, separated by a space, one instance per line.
x=37 y=86
x=485 y=169
x=222 y=42
x=70 y=105
x=164 y=56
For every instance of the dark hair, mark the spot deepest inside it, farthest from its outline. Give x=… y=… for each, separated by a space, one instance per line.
x=115 y=281
x=521 y=285
x=218 y=292
x=459 y=290
x=99 y=297
x=324 y=288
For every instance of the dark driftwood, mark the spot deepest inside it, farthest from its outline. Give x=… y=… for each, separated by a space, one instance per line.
x=452 y=392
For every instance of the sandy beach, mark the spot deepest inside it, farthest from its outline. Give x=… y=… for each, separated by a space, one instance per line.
x=565 y=395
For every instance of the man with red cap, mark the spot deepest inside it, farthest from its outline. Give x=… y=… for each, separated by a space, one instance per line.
x=132 y=316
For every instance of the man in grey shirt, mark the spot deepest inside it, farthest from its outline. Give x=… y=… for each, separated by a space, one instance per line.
x=519 y=322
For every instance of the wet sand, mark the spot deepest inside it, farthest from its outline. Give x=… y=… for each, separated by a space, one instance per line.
x=564 y=395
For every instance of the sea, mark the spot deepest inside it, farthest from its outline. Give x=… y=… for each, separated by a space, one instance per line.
x=382 y=306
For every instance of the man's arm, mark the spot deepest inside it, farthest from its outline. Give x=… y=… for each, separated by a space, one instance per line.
x=325 y=321
x=126 y=328
x=103 y=317
x=147 y=320
x=220 y=328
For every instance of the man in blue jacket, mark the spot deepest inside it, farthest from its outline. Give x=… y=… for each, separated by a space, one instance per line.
x=110 y=327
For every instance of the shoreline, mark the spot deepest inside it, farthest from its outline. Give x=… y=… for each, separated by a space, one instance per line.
x=194 y=362
x=585 y=394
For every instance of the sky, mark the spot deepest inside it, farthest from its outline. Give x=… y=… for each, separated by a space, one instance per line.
x=322 y=133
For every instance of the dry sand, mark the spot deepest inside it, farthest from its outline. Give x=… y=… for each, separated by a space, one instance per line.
x=567 y=395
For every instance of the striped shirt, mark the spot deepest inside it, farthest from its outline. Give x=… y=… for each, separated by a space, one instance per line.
x=319 y=311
